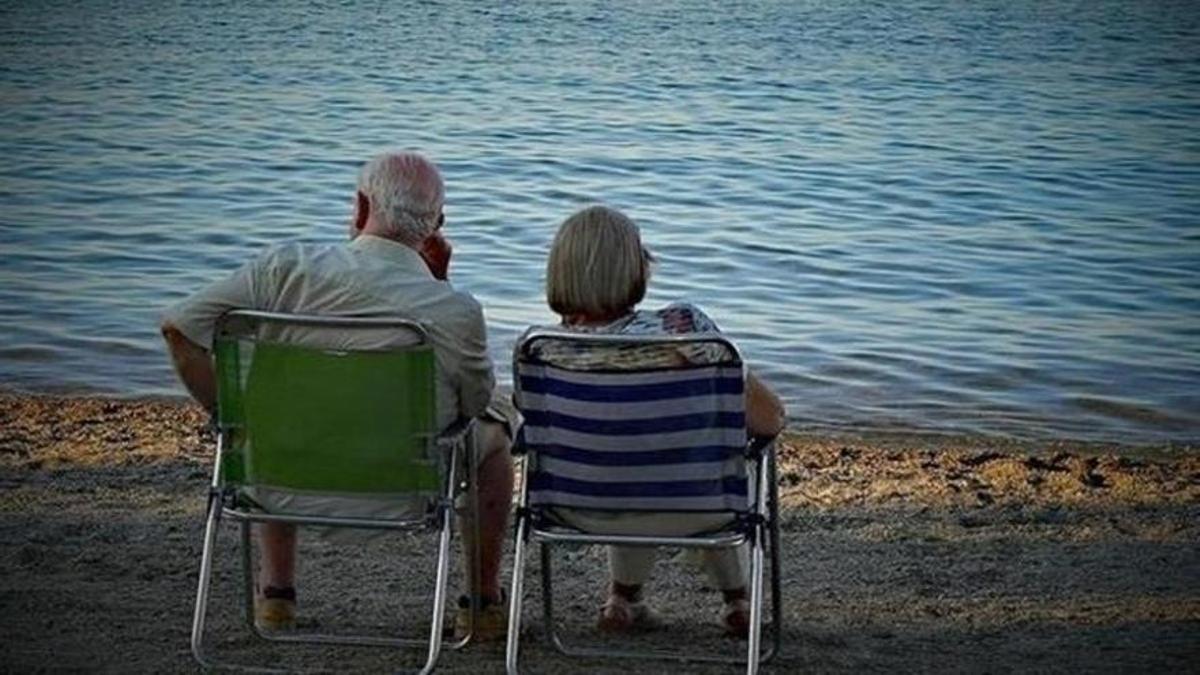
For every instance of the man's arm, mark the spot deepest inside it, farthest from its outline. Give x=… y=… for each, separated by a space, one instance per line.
x=188 y=326
x=476 y=380
x=194 y=365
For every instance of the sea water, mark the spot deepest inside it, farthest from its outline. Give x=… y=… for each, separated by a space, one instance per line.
x=962 y=217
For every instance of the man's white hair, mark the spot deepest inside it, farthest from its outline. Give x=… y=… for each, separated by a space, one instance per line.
x=406 y=195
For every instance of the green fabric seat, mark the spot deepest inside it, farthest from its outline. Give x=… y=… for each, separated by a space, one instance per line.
x=298 y=413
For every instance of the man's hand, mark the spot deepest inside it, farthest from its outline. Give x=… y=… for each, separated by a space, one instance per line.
x=436 y=252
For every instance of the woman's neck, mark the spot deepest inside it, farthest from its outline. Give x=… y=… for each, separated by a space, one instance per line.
x=595 y=319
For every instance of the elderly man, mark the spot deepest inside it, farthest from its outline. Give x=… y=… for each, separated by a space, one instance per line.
x=395 y=265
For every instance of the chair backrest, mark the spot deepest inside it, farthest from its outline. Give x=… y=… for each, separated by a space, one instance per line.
x=307 y=418
x=632 y=423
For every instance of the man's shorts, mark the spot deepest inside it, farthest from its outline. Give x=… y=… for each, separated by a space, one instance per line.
x=503 y=416
x=500 y=411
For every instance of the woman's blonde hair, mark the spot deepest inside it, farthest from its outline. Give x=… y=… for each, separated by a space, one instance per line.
x=597 y=265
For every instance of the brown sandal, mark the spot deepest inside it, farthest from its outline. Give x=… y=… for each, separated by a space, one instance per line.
x=275 y=608
x=737 y=618
x=619 y=615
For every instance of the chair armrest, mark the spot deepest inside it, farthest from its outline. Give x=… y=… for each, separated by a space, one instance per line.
x=758 y=446
x=456 y=432
x=518 y=443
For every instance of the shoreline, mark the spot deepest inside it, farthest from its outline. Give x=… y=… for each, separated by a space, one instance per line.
x=879 y=436
x=815 y=469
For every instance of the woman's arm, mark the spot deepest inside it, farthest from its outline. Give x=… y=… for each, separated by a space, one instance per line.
x=765 y=415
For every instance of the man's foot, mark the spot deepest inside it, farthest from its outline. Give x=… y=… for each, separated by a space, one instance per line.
x=620 y=615
x=491 y=619
x=275 y=608
x=736 y=618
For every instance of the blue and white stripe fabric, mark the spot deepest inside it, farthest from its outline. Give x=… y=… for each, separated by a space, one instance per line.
x=662 y=440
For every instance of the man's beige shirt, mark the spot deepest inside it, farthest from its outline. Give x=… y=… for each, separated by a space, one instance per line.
x=369 y=277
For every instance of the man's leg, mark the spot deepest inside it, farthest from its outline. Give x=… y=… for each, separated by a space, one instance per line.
x=495 y=491
x=275 y=608
x=278 y=559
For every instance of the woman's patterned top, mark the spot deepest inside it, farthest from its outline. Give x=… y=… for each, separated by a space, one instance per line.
x=675 y=319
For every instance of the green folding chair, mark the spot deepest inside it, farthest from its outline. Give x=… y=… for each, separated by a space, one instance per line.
x=328 y=421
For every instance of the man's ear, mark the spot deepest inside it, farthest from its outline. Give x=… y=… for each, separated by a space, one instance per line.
x=362 y=211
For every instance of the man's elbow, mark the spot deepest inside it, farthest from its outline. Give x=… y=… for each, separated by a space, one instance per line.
x=185 y=354
x=475 y=403
x=171 y=334
x=177 y=341
x=192 y=363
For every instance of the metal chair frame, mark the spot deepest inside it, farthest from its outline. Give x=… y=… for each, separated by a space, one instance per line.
x=224 y=502
x=760 y=530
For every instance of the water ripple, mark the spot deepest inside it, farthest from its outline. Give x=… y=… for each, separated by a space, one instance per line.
x=969 y=217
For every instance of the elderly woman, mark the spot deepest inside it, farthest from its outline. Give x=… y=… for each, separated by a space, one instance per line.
x=595 y=277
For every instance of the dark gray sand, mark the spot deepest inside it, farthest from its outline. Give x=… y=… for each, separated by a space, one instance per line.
x=900 y=553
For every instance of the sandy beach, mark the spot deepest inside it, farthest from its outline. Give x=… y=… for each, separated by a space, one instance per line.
x=910 y=553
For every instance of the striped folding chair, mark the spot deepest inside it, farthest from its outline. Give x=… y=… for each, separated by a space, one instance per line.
x=329 y=423
x=618 y=423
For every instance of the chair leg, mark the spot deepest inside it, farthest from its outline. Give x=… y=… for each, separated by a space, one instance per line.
x=248 y=578
x=776 y=572
x=439 y=593
x=475 y=568
x=514 y=600
x=202 y=587
x=547 y=575
x=756 y=601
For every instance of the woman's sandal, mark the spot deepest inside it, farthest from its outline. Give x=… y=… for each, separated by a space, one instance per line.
x=736 y=618
x=619 y=615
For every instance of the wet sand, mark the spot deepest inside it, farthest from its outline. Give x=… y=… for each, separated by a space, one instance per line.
x=912 y=553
